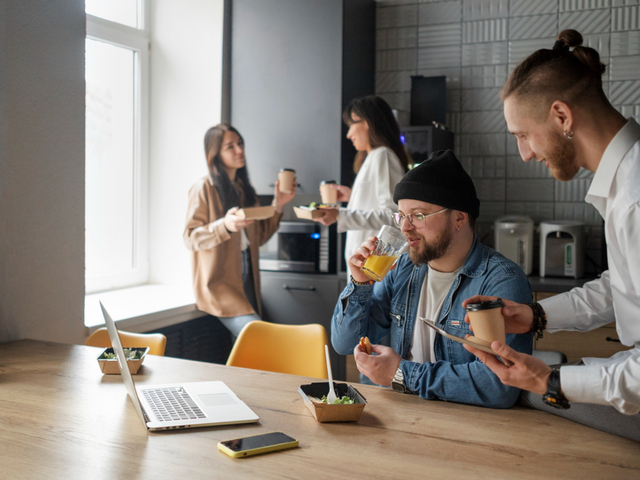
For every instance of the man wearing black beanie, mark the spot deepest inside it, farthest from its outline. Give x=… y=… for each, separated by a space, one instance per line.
x=446 y=264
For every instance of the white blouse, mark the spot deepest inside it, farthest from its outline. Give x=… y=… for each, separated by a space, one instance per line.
x=371 y=204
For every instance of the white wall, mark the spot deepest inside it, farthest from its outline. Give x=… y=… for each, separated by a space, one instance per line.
x=186 y=81
x=42 y=170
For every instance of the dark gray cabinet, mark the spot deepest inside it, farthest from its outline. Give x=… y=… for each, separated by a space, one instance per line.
x=298 y=299
x=294 y=66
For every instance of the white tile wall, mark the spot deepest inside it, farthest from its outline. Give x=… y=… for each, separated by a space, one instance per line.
x=480 y=9
x=625 y=68
x=485 y=53
x=529 y=7
x=431 y=57
x=586 y=21
x=625 y=43
x=440 y=12
x=476 y=43
x=599 y=41
x=392 y=38
x=481 y=99
x=492 y=30
x=570 y=5
x=483 y=122
x=536 y=26
x=439 y=35
x=627 y=18
x=529 y=190
x=484 y=76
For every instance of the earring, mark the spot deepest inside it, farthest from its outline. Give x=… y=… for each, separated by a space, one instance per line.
x=569 y=135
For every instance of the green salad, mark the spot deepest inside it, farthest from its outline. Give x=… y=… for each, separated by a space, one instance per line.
x=340 y=400
x=129 y=353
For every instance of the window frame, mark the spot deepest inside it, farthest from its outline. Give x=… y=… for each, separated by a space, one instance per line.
x=137 y=40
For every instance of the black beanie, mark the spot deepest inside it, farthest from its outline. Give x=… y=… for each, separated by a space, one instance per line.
x=442 y=181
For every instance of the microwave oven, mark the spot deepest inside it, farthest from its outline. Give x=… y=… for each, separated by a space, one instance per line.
x=302 y=247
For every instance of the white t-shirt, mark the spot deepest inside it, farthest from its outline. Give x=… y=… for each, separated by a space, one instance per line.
x=371 y=204
x=435 y=287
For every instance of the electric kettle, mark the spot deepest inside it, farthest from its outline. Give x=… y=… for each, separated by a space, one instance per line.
x=513 y=238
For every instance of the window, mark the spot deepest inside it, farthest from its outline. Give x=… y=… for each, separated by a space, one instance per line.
x=117 y=78
x=125 y=12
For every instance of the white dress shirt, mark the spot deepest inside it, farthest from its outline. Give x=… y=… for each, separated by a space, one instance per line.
x=371 y=204
x=615 y=193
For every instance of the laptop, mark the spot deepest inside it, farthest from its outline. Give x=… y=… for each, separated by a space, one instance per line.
x=181 y=405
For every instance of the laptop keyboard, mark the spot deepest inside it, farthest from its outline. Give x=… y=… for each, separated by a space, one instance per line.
x=169 y=404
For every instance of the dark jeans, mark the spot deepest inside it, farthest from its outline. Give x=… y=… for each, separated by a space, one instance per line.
x=600 y=417
x=236 y=324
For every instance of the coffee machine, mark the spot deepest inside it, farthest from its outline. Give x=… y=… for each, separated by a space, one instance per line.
x=562 y=248
x=513 y=237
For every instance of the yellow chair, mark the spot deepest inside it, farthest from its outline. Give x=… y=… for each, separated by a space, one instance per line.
x=293 y=349
x=155 y=341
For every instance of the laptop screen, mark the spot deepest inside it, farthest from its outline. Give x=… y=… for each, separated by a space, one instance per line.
x=127 y=378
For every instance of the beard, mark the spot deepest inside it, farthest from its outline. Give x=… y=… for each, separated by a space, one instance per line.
x=562 y=158
x=426 y=252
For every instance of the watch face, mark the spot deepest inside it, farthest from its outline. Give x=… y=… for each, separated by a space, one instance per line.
x=398 y=387
x=555 y=401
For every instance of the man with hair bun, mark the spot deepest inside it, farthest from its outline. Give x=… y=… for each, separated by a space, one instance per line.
x=556 y=108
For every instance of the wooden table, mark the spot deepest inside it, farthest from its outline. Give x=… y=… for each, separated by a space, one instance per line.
x=61 y=418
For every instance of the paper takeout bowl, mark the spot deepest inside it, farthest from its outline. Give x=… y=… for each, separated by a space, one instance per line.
x=256 y=213
x=307 y=213
x=332 y=413
x=110 y=366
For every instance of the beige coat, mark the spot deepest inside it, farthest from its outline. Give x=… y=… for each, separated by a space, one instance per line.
x=216 y=257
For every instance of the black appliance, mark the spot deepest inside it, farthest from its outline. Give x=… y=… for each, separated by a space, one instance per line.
x=422 y=141
x=428 y=100
x=304 y=247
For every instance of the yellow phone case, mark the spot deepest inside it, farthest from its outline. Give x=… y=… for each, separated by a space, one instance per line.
x=256 y=451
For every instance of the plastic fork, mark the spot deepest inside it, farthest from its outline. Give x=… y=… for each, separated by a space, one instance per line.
x=331 y=396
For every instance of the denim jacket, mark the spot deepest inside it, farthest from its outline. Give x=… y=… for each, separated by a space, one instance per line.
x=390 y=307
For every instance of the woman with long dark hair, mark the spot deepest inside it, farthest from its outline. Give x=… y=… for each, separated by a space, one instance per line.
x=374 y=130
x=224 y=246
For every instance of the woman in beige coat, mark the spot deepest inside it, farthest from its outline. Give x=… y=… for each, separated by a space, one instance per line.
x=224 y=247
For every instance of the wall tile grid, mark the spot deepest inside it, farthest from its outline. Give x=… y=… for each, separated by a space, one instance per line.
x=475 y=44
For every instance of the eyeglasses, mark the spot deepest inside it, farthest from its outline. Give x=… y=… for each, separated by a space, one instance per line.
x=416 y=220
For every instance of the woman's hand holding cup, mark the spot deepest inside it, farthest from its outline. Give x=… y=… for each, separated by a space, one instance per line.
x=280 y=198
x=344 y=193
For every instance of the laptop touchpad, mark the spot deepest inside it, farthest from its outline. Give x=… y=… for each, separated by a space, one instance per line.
x=217 y=399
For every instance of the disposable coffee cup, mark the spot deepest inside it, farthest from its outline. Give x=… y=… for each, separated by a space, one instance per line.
x=391 y=244
x=287 y=177
x=328 y=193
x=487 y=321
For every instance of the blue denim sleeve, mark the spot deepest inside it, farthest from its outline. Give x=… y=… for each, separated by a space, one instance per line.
x=360 y=312
x=463 y=378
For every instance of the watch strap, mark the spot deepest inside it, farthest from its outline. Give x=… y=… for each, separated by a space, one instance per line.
x=398 y=382
x=553 y=395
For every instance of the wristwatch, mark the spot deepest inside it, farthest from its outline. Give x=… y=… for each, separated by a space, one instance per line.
x=398 y=382
x=554 y=396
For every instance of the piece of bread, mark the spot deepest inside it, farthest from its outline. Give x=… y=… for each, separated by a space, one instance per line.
x=365 y=344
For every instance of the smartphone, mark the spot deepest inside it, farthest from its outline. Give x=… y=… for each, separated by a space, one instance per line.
x=257 y=444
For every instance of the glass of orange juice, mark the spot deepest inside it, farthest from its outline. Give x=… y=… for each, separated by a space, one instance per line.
x=391 y=244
